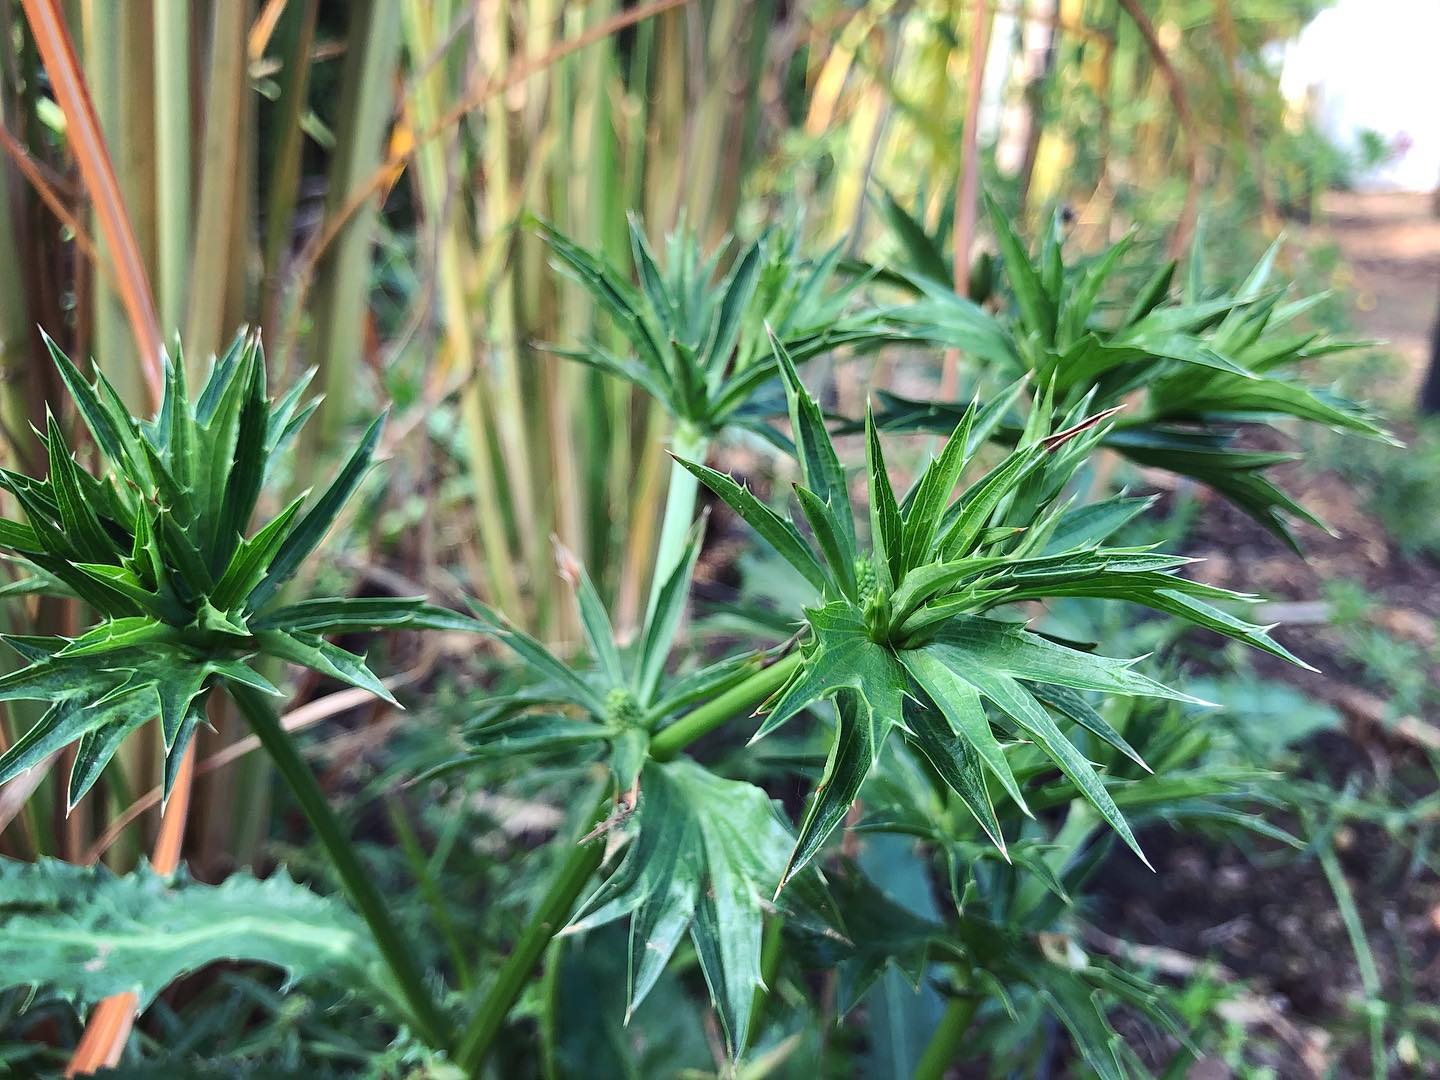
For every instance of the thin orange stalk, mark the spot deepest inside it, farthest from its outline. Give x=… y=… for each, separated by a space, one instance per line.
x=45 y=188
x=47 y=25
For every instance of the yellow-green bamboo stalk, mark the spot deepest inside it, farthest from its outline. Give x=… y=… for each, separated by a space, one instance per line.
x=296 y=36
x=220 y=171
x=492 y=29
x=172 y=150
x=422 y=28
x=111 y=341
x=343 y=286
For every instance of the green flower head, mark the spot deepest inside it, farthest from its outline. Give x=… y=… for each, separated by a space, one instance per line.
x=154 y=543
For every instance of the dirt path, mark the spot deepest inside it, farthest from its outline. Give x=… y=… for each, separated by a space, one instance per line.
x=1390 y=243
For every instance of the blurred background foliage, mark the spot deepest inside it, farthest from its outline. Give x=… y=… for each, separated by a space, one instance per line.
x=361 y=180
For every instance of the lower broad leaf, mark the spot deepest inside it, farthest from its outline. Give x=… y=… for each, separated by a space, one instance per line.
x=84 y=934
x=706 y=856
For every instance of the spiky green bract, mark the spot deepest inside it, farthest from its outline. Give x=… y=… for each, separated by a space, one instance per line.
x=155 y=545
x=697 y=338
x=1205 y=363
x=622 y=699
x=705 y=855
x=83 y=934
x=901 y=636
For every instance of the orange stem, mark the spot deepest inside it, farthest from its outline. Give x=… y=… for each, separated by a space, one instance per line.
x=47 y=26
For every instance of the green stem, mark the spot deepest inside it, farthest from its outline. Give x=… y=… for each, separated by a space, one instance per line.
x=691 y=445
x=944 y=1045
x=554 y=909
x=398 y=953
x=584 y=859
x=770 y=945
x=429 y=888
x=745 y=696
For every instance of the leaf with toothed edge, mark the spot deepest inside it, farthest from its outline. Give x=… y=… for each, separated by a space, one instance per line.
x=704 y=858
x=154 y=543
x=85 y=934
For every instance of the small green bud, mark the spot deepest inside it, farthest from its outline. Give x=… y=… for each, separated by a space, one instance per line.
x=865 y=580
x=621 y=708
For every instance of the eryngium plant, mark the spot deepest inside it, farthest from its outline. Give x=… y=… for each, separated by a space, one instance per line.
x=1197 y=366
x=697 y=339
x=155 y=545
x=908 y=633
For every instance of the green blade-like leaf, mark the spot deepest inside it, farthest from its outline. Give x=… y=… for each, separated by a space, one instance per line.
x=773 y=529
x=541 y=659
x=1037 y=310
x=318 y=519
x=829 y=534
x=77 y=517
x=886 y=533
x=959 y=702
x=119 y=717
x=254 y=558
x=115 y=436
x=356 y=614
x=959 y=766
x=664 y=619
x=819 y=464
x=1030 y=716
x=247 y=471
x=320 y=655
x=932 y=492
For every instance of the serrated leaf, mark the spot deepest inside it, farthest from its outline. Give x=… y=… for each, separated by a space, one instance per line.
x=959 y=702
x=355 y=614
x=775 y=530
x=320 y=655
x=886 y=530
x=819 y=464
x=706 y=855
x=312 y=528
x=538 y=657
x=84 y=934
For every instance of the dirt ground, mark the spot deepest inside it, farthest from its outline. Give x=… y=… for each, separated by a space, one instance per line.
x=1390 y=242
x=1276 y=925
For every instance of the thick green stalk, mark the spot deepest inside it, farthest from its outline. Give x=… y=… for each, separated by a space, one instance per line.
x=944 y=1045
x=691 y=445
x=745 y=696
x=584 y=859
x=396 y=950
